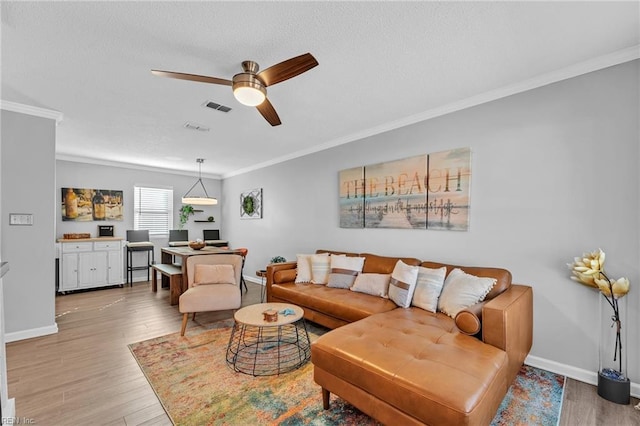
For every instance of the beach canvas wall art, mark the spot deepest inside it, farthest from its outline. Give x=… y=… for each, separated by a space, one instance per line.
x=429 y=191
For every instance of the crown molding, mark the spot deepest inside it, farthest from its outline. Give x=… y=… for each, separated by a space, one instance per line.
x=100 y=162
x=32 y=110
x=595 y=64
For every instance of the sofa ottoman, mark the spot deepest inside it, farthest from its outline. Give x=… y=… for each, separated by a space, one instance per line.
x=410 y=366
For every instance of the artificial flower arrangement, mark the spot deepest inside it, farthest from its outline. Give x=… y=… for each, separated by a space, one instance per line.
x=589 y=270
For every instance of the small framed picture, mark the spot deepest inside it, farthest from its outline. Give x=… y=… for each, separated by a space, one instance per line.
x=251 y=204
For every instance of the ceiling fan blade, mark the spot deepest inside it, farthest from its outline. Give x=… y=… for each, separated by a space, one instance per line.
x=269 y=113
x=192 y=77
x=287 y=69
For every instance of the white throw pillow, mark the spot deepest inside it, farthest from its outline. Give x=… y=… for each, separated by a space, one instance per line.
x=344 y=270
x=213 y=274
x=320 y=265
x=462 y=290
x=428 y=288
x=303 y=268
x=403 y=284
x=373 y=284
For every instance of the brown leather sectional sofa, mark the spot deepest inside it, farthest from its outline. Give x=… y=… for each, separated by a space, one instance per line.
x=411 y=366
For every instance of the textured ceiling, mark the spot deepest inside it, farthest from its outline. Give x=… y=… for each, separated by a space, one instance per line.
x=380 y=63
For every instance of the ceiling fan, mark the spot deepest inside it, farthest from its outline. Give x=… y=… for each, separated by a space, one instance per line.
x=250 y=86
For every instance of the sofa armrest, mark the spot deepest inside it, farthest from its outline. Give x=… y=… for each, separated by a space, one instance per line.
x=280 y=273
x=469 y=320
x=507 y=323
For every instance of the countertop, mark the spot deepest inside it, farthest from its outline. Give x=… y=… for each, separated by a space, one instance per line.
x=81 y=240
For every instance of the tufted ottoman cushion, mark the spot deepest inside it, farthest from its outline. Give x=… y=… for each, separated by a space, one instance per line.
x=410 y=364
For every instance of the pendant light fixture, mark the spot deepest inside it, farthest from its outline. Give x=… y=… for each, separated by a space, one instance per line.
x=198 y=200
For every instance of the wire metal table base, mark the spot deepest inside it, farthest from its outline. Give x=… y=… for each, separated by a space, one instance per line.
x=268 y=350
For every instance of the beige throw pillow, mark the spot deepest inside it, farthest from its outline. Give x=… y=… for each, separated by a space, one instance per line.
x=320 y=265
x=428 y=288
x=303 y=268
x=344 y=270
x=373 y=284
x=403 y=284
x=213 y=274
x=462 y=290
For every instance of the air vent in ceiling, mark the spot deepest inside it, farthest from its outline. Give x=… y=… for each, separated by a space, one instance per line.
x=216 y=106
x=195 y=126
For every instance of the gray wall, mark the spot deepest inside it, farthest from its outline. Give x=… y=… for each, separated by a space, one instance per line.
x=28 y=170
x=81 y=175
x=554 y=174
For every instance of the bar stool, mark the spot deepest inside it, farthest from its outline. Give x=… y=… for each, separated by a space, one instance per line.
x=138 y=241
x=179 y=238
x=243 y=252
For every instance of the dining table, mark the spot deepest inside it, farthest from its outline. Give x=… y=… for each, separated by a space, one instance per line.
x=170 y=255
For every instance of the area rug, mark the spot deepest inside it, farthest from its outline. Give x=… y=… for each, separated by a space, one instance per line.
x=196 y=387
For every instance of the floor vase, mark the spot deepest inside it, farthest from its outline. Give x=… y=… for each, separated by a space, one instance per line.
x=613 y=382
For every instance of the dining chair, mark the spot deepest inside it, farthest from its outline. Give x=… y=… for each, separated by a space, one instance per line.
x=243 y=252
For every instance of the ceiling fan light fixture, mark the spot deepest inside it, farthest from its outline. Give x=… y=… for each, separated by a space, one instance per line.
x=249 y=96
x=250 y=86
x=198 y=200
x=248 y=90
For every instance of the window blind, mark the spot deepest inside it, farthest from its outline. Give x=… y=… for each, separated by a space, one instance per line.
x=153 y=210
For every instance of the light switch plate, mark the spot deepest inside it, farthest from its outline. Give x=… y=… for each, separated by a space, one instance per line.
x=21 y=219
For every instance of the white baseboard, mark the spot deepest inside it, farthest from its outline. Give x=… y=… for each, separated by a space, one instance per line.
x=255 y=280
x=576 y=373
x=31 y=333
x=9 y=412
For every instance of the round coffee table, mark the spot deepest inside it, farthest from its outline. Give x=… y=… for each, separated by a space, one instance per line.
x=262 y=348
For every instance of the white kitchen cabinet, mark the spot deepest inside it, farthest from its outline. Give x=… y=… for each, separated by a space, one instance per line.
x=114 y=270
x=90 y=263
x=92 y=269
x=69 y=271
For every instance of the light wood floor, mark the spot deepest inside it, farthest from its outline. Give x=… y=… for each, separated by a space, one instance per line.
x=85 y=374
